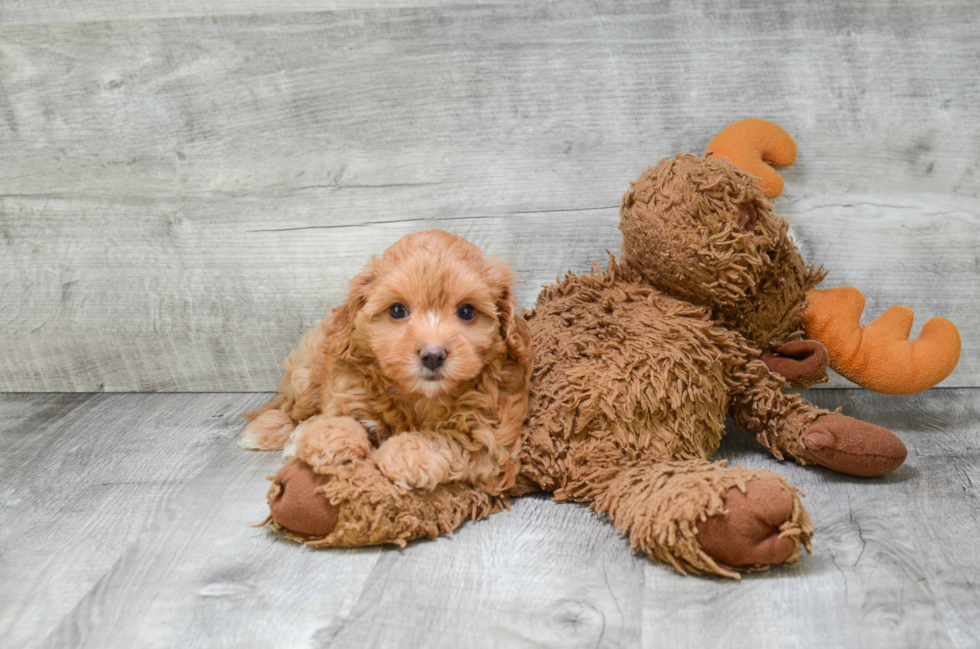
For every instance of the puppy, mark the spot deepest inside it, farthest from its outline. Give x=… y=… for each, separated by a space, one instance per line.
x=423 y=369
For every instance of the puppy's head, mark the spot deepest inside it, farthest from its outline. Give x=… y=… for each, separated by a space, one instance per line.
x=432 y=312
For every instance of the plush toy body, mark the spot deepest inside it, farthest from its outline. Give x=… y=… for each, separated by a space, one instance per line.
x=628 y=402
x=636 y=367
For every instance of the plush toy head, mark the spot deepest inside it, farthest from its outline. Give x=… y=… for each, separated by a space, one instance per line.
x=701 y=230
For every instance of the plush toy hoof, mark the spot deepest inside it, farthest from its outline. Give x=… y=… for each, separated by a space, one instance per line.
x=747 y=534
x=854 y=447
x=295 y=504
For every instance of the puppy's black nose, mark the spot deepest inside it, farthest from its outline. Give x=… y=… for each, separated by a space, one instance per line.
x=433 y=357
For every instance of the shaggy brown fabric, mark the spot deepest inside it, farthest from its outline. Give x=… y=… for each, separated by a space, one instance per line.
x=802 y=362
x=778 y=419
x=700 y=230
x=628 y=400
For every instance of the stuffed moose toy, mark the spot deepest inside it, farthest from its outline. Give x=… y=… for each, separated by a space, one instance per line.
x=709 y=311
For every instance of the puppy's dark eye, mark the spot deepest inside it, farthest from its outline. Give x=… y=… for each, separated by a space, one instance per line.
x=466 y=312
x=398 y=311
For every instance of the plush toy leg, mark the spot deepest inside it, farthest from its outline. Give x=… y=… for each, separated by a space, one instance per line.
x=702 y=517
x=353 y=504
x=787 y=425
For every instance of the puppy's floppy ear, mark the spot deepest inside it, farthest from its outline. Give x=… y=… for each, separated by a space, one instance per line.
x=513 y=328
x=340 y=329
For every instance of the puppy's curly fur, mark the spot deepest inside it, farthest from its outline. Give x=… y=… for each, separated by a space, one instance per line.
x=359 y=386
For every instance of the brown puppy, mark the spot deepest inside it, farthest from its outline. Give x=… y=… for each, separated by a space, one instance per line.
x=423 y=369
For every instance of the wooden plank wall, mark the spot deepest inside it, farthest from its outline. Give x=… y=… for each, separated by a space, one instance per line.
x=186 y=186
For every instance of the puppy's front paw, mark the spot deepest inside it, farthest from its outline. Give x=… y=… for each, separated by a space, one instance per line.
x=414 y=462
x=320 y=441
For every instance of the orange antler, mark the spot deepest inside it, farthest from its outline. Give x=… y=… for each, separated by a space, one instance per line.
x=756 y=146
x=879 y=355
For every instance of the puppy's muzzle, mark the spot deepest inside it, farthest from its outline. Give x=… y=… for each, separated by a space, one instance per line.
x=433 y=357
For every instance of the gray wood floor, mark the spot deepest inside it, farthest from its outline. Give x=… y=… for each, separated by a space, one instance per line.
x=125 y=523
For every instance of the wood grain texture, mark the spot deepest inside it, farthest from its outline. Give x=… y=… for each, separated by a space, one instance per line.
x=81 y=477
x=186 y=186
x=139 y=536
x=887 y=555
x=59 y=11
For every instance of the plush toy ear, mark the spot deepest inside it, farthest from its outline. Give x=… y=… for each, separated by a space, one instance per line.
x=879 y=355
x=802 y=362
x=513 y=328
x=756 y=146
x=340 y=330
